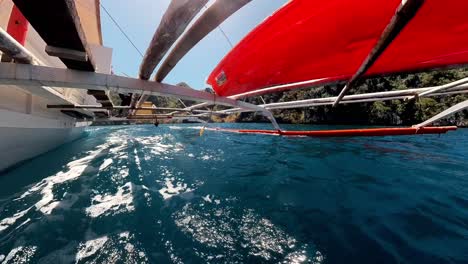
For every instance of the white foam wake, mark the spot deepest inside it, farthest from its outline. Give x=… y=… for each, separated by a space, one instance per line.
x=111 y=204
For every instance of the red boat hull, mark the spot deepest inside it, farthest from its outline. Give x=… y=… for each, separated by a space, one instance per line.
x=328 y=41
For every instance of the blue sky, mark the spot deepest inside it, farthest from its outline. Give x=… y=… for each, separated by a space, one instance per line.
x=139 y=19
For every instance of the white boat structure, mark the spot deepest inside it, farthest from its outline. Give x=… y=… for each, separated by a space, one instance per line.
x=27 y=126
x=55 y=76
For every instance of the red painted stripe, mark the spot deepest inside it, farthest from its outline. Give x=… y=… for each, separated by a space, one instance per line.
x=18 y=26
x=347 y=132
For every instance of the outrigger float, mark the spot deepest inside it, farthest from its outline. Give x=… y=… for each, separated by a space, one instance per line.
x=305 y=44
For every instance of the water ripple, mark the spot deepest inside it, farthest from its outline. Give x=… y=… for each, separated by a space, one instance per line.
x=166 y=195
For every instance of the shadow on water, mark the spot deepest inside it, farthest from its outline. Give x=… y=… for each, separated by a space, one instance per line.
x=36 y=160
x=39 y=167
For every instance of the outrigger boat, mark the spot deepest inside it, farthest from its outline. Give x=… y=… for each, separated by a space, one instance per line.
x=27 y=126
x=305 y=44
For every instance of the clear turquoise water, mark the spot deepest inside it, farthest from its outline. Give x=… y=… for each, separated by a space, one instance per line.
x=166 y=195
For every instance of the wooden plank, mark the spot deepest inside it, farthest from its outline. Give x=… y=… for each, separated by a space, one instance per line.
x=405 y=12
x=210 y=20
x=66 y=53
x=101 y=97
x=23 y=74
x=69 y=106
x=174 y=22
x=58 y=24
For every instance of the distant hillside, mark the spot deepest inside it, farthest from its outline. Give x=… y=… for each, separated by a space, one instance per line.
x=161 y=101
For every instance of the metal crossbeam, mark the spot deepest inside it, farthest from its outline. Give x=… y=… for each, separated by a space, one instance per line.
x=282 y=87
x=22 y=74
x=457 y=87
x=114 y=107
x=442 y=87
x=452 y=110
x=361 y=98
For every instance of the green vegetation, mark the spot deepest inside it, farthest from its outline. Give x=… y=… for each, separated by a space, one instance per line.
x=395 y=112
x=171 y=102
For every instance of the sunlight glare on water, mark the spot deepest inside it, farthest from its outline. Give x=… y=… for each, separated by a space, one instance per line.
x=166 y=195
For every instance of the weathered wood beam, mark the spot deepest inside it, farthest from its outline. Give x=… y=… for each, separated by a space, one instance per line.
x=58 y=24
x=147 y=117
x=404 y=14
x=61 y=106
x=66 y=53
x=283 y=87
x=30 y=75
x=207 y=22
x=157 y=116
x=173 y=23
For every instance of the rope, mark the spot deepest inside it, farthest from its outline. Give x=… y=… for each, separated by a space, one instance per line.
x=225 y=36
x=224 y=33
x=121 y=30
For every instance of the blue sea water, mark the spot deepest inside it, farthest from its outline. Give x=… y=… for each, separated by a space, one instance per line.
x=143 y=194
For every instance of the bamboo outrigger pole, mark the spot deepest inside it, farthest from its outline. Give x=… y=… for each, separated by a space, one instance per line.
x=452 y=110
x=218 y=12
x=405 y=12
x=442 y=87
x=174 y=22
x=15 y=50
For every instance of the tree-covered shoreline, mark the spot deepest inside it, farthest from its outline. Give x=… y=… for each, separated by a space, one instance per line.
x=390 y=113
x=386 y=113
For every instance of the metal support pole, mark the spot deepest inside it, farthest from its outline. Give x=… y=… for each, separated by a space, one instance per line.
x=22 y=74
x=405 y=12
x=452 y=110
x=442 y=87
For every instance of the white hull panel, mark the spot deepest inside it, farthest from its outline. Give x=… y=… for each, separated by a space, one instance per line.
x=24 y=136
x=27 y=126
x=19 y=144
